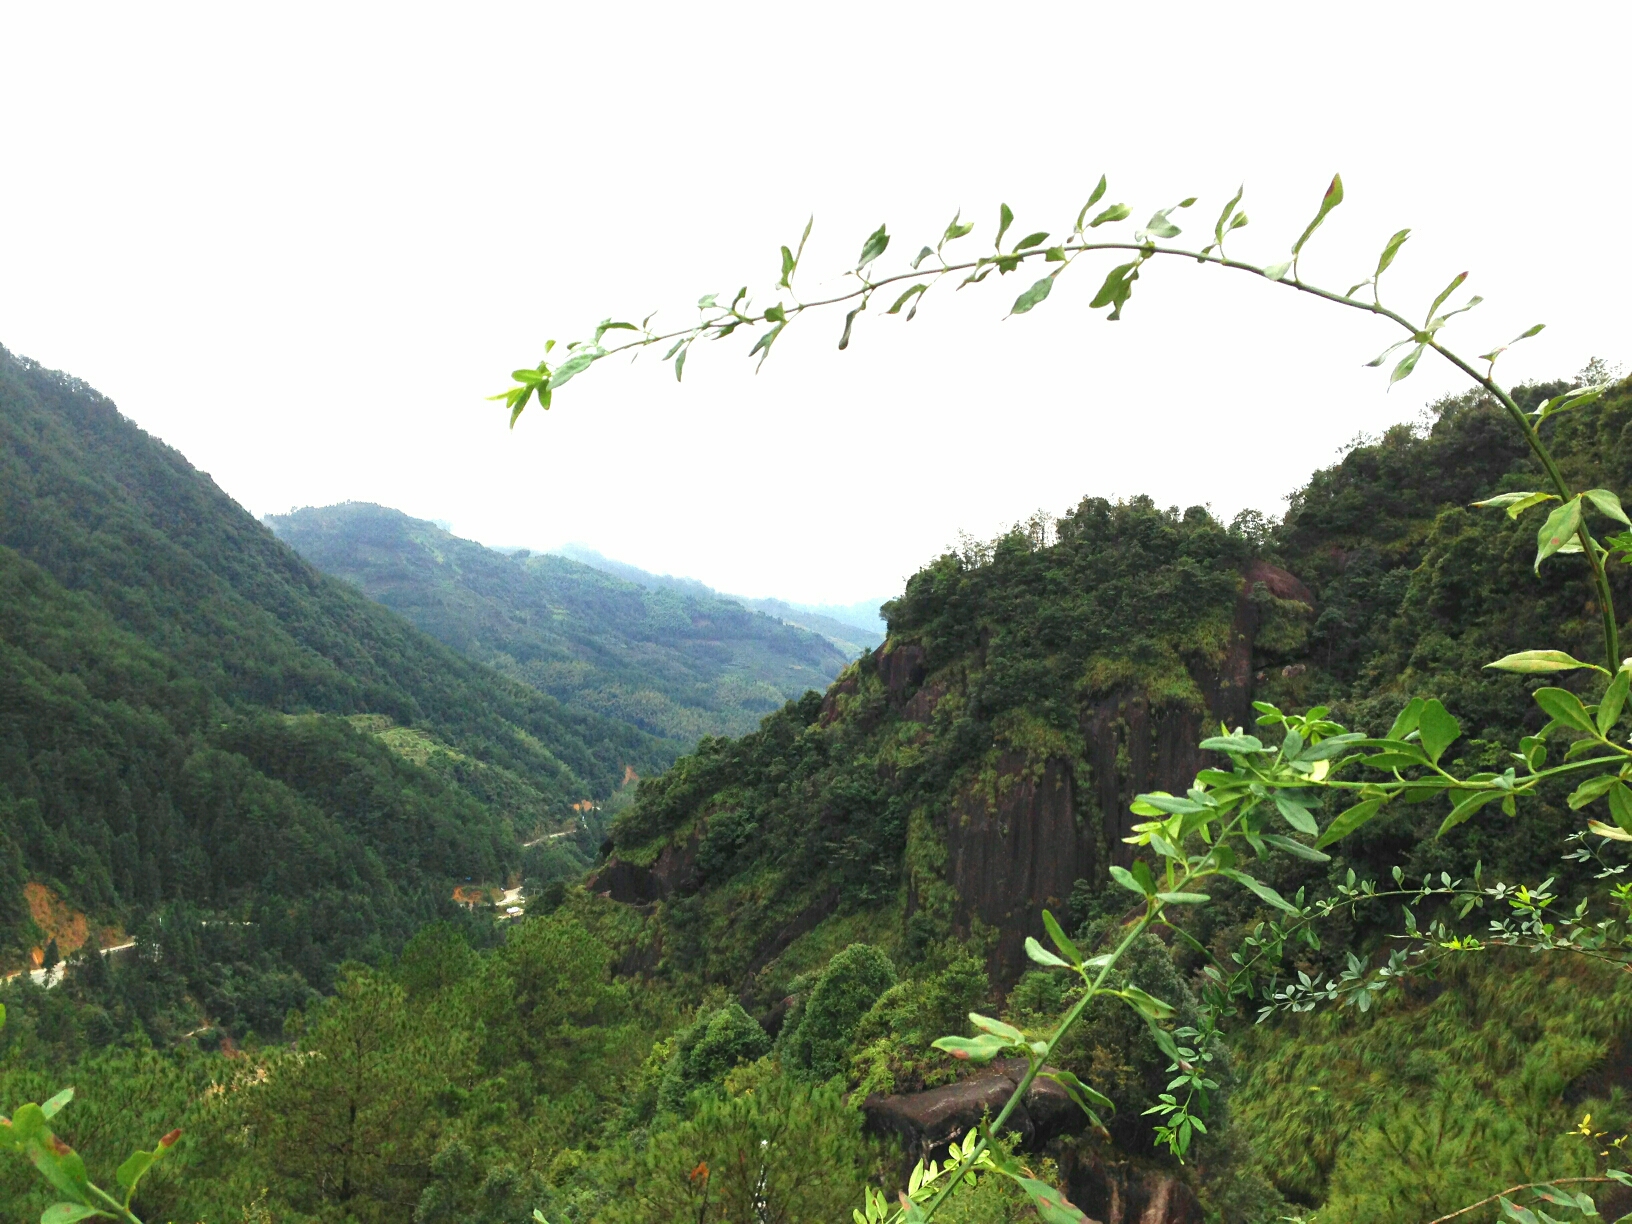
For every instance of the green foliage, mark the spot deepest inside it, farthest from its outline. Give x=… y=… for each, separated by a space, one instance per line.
x=1470 y=1085
x=785 y=1153
x=890 y=1045
x=706 y=1050
x=844 y=993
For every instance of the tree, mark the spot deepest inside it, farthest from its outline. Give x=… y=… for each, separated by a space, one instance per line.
x=782 y=1154
x=348 y=1120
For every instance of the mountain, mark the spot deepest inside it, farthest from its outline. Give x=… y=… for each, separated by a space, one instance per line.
x=195 y=720
x=850 y=627
x=977 y=769
x=678 y=663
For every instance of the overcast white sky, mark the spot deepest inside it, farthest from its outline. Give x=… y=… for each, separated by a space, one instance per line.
x=301 y=243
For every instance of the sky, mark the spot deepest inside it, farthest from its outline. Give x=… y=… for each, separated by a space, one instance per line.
x=301 y=243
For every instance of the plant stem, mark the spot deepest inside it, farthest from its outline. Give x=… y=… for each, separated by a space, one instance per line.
x=1485 y=1202
x=1589 y=546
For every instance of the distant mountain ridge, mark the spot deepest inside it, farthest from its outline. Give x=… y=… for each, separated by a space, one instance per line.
x=853 y=628
x=671 y=660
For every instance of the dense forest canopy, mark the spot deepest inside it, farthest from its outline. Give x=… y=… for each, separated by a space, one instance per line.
x=263 y=775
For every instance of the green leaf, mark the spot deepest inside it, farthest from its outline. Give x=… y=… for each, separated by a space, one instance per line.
x=980 y=1049
x=1437 y=729
x=1147 y=1005
x=1295 y=814
x=957 y=229
x=1224 y=217
x=1262 y=891
x=52 y=1107
x=1032 y=240
x=1565 y=707
x=1125 y=878
x=1466 y=807
x=996 y=1027
x=1407 y=364
x=1578 y=398
x=136 y=1164
x=1060 y=941
x=1160 y=226
x=1502 y=348
x=1537 y=662
x=1043 y=956
x=922 y=255
x=1405 y=721
x=1444 y=293
x=1608 y=505
x=1116 y=212
x=849 y=322
x=1589 y=790
x=1517 y=503
x=1032 y=296
x=1278 y=271
x=1117 y=288
x=67 y=1213
x=905 y=298
x=607 y=325
x=1332 y=198
x=1081 y=1092
x=1620 y=807
x=1295 y=848
x=1389 y=251
x=1240 y=745
x=573 y=366
x=1050 y=1204
x=789 y=263
x=1005 y=218
x=875 y=245
x=1331 y=746
x=1613 y=701
x=1093 y=199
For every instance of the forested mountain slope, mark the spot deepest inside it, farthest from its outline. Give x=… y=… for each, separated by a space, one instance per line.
x=179 y=702
x=978 y=767
x=678 y=664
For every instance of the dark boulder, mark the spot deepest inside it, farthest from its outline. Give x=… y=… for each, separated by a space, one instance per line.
x=927 y=1121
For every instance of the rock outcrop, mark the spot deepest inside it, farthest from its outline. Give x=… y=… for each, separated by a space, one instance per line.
x=927 y=1121
x=1122 y=1192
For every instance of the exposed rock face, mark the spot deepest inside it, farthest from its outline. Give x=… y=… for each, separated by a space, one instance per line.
x=927 y=1121
x=1014 y=858
x=1120 y=1192
x=1017 y=850
x=901 y=668
x=674 y=871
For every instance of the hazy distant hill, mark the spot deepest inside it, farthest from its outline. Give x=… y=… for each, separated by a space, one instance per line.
x=851 y=627
x=678 y=662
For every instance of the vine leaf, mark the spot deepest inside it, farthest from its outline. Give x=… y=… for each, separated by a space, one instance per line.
x=1536 y=662
x=1348 y=821
x=1558 y=530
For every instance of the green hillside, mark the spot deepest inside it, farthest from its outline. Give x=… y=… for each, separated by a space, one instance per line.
x=678 y=664
x=182 y=728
